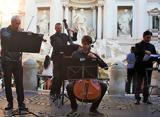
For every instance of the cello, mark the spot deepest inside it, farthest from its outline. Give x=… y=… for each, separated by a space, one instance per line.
x=88 y=90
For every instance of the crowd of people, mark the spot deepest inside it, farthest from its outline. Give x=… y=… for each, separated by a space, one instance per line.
x=12 y=65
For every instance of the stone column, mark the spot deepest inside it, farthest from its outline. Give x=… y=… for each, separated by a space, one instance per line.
x=30 y=14
x=94 y=18
x=56 y=14
x=108 y=27
x=150 y=21
x=66 y=12
x=66 y=15
x=73 y=13
x=99 y=23
x=140 y=17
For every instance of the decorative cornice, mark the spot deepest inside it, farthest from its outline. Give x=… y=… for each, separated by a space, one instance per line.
x=82 y=3
x=154 y=11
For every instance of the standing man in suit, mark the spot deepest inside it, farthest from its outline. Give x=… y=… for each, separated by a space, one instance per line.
x=141 y=49
x=58 y=40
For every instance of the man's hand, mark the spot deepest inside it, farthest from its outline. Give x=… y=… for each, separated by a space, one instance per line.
x=147 y=52
x=91 y=55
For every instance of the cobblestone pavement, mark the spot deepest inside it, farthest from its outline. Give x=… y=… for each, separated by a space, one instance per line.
x=40 y=104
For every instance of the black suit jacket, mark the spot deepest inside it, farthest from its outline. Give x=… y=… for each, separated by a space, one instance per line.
x=140 y=49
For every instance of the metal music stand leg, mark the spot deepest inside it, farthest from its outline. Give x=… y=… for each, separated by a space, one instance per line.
x=63 y=94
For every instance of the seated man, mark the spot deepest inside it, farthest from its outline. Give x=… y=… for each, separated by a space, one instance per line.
x=84 y=52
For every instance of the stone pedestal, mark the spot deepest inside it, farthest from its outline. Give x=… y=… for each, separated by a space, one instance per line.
x=30 y=74
x=117 y=75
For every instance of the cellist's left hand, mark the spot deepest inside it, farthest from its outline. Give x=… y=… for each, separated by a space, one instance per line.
x=91 y=55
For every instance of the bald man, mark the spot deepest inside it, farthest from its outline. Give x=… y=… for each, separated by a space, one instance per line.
x=12 y=65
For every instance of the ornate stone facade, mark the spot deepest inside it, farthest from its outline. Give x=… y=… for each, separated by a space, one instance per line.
x=100 y=18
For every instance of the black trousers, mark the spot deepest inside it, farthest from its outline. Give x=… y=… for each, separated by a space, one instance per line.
x=15 y=69
x=57 y=77
x=130 y=79
x=141 y=78
x=72 y=97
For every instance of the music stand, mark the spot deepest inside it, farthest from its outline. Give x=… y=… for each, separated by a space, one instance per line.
x=75 y=69
x=67 y=50
x=25 y=42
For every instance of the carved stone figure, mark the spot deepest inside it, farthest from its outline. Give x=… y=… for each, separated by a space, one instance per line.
x=80 y=25
x=124 y=23
x=43 y=23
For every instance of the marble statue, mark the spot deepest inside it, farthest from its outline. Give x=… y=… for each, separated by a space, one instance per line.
x=43 y=23
x=124 y=23
x=80 y=25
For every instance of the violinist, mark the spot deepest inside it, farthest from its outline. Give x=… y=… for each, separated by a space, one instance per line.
x=57 y=40
x=12 y=65
x=84 y=52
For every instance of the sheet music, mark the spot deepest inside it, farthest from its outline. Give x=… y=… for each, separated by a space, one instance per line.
x=147 y=57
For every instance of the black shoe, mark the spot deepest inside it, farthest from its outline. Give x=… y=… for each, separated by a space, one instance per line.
x=23 y=108
x=94 y=111
x=54 y=98
x=9 y=107
x=147 y=102
x=137 y=102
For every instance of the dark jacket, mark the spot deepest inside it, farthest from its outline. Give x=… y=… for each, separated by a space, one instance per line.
x=6 y=36
x=57 y=40
x=140 y=49
x=80 y=54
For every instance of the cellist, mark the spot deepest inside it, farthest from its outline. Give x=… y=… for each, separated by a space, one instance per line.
x=84 y=52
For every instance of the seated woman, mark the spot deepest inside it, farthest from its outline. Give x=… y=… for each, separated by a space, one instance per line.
x=48 y=71
x=85 y=53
